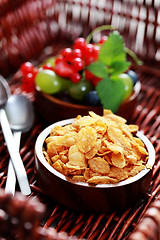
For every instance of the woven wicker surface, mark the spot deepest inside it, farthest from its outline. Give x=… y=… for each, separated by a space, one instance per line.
x=36 y=32
x=25 y=29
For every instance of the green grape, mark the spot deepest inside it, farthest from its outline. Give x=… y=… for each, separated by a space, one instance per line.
x=78 y=90
x=51 y=83
x=50 y=60
x=128 y=85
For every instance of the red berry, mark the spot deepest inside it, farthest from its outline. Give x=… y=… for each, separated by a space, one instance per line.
x=78 y=64
x=103 y=39
x=67 y=54
x=63 y=69
x=89 y=60
x=58 y=59
x=77 y=53
x=88 y=50
x=26 y=68
x=91 y=54
x=96 y=52
x=88 y=75
x=76 y=77
x=79 y=43
x=28 y=83
x=95 y=81
x=48 y=66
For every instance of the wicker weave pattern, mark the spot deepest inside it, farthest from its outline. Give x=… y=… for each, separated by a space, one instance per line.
x=26 y=29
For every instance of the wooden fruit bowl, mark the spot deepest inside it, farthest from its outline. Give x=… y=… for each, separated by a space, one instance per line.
x=53 y=109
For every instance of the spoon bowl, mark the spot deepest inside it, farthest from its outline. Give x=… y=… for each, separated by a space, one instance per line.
x=4 y=92
x=19 y=111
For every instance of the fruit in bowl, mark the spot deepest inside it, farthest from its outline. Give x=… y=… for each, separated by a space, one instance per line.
x=90 y=75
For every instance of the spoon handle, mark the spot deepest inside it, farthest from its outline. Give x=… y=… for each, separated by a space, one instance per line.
x=11 y=176
x=14 y=154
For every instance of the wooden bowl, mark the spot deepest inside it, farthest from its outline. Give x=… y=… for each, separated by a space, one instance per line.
x=82 y=196
x=53 y=109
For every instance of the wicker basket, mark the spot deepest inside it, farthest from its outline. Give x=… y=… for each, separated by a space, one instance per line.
x=35 y=29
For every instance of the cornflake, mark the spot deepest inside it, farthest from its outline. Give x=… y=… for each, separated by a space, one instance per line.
x=96 y=149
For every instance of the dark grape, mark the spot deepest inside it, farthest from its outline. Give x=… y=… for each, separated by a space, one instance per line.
x=91 y=99
x=133 y=76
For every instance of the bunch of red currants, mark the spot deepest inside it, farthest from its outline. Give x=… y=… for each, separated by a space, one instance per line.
x=71 y=62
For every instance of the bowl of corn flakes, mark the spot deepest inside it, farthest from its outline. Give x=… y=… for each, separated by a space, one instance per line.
x=94 y=163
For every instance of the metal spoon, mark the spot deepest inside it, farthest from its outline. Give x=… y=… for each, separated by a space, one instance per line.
x=4 y=92
x=11 y=144
x=20 y=114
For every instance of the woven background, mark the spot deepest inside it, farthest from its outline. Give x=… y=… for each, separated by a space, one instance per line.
x=34 y=30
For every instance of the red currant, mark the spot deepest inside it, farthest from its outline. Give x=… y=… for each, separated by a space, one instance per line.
x=96 y=51
x=91 y=54
x=76 y=77
x=89 y=60
x=79 y=43
x=67 y=54
x=26 y=68
x=88 y=50
x=63 y=69
x=28 y=83
x=77 y=53
x=88 y=75
x=59 y=59
x=95 y=81
x=78 y=64
x=48 y=66
x=103 y=39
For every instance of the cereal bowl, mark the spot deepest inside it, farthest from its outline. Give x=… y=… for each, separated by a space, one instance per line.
x=87 y=197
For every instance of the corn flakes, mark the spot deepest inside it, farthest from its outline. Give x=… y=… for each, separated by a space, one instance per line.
x=99 y=165
x=76 y=157
x=86 y=139
x=96 y=149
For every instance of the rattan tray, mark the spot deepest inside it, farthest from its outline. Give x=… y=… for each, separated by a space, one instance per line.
x=33 y=30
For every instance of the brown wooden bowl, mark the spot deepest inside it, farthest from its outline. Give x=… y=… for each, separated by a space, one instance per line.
x=53 y=109
x=82 y=196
